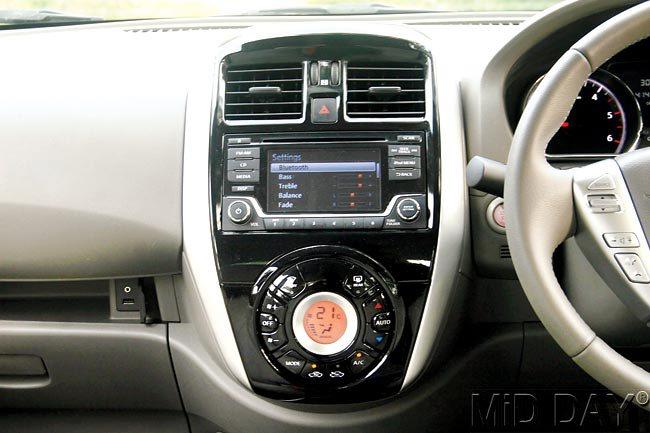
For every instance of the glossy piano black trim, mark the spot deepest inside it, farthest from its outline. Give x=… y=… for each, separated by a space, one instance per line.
x=408 y=255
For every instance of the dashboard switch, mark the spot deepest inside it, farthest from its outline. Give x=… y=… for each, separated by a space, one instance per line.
x=324 y=110
x=382 y=322
x=268 y=323
x=359 y=362
x=239 y=212
x=292 y=362
x=276 y=340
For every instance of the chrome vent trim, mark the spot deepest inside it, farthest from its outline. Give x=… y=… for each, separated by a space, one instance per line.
x=264 y=94
x=386 y=91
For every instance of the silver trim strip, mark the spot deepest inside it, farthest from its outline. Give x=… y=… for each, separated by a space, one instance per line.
x=454 y=222
x=197 y=228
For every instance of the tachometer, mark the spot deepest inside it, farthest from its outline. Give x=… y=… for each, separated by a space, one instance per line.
x=604 y=120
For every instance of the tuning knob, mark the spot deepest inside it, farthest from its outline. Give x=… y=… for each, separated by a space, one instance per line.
x=408 y=209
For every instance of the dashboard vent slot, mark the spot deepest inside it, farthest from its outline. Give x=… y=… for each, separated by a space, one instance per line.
x=386 y=90
x=264 y=93
x=504 y=252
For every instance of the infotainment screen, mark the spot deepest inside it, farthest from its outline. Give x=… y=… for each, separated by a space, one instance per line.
x=324 y=180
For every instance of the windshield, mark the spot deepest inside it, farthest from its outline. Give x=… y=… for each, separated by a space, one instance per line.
x=41 y=10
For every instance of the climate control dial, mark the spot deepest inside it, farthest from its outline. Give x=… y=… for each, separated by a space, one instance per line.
x=326 y=321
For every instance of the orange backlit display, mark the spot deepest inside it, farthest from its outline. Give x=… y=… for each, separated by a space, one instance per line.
x=325 y=322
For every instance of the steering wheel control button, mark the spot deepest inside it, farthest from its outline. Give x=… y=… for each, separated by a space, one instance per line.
x=383 y=322
x=408 y=209
x=603 y=183
x=376 y=340
x=239 y=212
x=324 y=110
x=268 y=323
x=605 y=203
x=276 y=340
x=292 y=362
x=621 y=240
x=359 y=362
x=633 y=267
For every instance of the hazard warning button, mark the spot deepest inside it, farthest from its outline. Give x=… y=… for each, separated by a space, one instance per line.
x=324 y=110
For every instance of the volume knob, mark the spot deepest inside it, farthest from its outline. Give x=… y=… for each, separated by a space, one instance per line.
x=239 y=212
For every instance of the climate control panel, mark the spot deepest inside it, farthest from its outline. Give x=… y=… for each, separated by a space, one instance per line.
x=326 y=322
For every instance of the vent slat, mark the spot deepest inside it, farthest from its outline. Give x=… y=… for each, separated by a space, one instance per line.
x=246 y=98
x=407 y=100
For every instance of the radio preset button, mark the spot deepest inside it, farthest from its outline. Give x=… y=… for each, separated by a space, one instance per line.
x=274 y=223
x=294 y=223
x=354 y=223
x=244 y=152
x=373 y=223
x=403 y=150
x=408 y=209
x=404 y=173
x=239 y=212
x=313 y=223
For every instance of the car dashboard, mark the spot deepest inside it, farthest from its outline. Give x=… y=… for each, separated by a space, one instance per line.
x=230 y=222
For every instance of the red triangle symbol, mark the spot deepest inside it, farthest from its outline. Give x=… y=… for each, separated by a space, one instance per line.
x=324 y=110
x=378 y=306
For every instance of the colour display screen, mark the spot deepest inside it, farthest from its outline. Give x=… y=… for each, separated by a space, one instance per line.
x=324 y=180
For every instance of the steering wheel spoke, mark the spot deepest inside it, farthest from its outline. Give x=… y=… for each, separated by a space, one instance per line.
x=610 y=234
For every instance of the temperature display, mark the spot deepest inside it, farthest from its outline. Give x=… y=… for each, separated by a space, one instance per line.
x=325 y=322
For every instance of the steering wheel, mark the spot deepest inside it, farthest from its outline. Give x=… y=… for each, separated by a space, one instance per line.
x=605 y=205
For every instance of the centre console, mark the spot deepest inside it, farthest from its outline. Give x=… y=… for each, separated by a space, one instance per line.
x=324 y=188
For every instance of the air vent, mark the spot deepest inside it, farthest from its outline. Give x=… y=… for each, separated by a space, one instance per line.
x=264 y=93
x=504 y=252
x=387 y=90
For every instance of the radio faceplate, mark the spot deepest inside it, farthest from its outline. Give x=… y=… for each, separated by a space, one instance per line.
x=321 y=181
